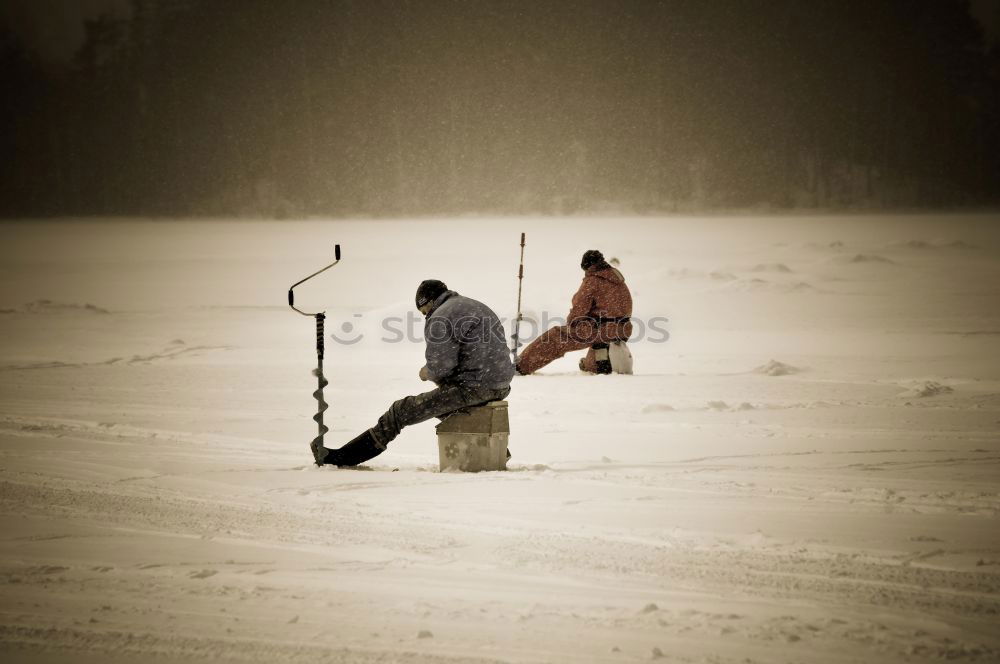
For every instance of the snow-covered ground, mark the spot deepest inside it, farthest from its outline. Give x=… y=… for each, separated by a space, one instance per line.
x=807 y=471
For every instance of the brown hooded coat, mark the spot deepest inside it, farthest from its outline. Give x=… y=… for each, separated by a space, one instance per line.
x=602 y=297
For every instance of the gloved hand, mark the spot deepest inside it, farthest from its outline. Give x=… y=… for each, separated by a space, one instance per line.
x=423 y=374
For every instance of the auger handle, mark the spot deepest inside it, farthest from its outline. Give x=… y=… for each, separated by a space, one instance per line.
x=291 y=295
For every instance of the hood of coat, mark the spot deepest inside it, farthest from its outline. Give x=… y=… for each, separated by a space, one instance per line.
x=438 y=302
x=606 y=272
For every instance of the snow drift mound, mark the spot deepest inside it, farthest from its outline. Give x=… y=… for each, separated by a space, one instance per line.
x=860 y=259
x=775 y=368
x=926 y=388
x=771 y=267
x=48 y=306
x=835 y=244
x=723 y=406
x=756 y=284
x=689 y=273
x=937 y=243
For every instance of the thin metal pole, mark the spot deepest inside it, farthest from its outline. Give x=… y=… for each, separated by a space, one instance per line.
x=520 y=281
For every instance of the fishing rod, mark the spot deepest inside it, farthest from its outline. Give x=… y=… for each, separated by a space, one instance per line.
x=317 y=442
x=517 y=321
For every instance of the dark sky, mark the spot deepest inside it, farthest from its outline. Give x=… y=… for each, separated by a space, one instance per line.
x=55 y=27
x=987 y=12
x=382 y=107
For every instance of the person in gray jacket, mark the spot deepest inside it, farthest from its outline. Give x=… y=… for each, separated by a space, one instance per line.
x=466 y=357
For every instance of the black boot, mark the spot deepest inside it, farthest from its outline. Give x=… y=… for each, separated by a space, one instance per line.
x=319 y=452
x=602 y=357
x=359 y=450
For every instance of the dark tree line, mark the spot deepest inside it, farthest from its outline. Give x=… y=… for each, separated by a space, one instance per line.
x=346 y=107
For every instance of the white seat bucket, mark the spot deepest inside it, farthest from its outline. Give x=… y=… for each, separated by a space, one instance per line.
x=621 y=357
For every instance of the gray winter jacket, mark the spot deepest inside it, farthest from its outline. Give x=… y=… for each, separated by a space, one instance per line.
x=466 y=344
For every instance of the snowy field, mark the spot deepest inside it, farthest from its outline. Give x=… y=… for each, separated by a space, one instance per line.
x=807 y=471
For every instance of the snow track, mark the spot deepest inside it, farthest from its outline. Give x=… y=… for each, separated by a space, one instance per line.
x=163 y=563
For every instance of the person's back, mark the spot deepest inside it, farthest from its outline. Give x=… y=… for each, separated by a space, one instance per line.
x=466 y=344
x=603 y=295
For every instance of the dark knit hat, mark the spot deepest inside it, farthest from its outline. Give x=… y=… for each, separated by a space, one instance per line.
x=428 y=291
x=591 y=257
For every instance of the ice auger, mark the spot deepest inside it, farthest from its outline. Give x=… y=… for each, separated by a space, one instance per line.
x=317 y=442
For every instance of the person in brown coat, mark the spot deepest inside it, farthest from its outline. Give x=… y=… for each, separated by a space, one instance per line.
x=599 y=315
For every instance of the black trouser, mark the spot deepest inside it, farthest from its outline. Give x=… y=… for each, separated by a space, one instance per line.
x=439 y=402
